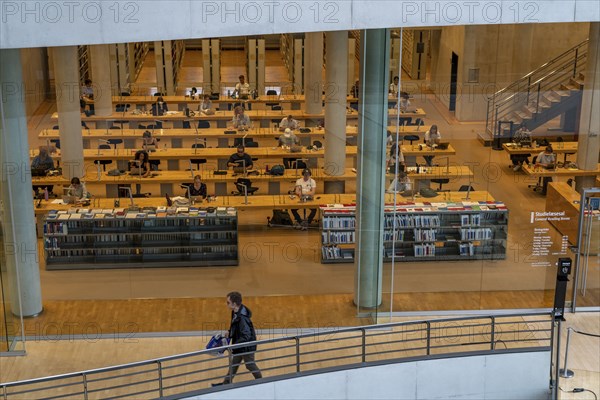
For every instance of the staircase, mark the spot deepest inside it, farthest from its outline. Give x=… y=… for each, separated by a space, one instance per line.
x=550 y=90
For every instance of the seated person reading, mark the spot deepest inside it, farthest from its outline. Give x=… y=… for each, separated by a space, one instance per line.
x=240 y=120
x=149 y=143
x=432 y=137
x=160 y=107
x=197 y=189
x=140 y=165
x=305 y=189
x=546 y=159
x=288 y=123
x=205 y=106
x=522 y=138
x=40 y=166
x=78 y=190
x=240 y=159
x=288 y=139
x=400 y=184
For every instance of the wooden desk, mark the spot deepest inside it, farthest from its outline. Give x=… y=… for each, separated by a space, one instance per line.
x=561 y=198
x=411 y=152
x=565 y=147
x=541 y=172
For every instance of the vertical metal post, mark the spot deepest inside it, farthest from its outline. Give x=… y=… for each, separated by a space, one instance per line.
x=428 y=337
x=160 y=378
x=537 y=104
x=297 y=354
x=364 y=345
x=565 y=372
x=493 y=333
x=575 y=62
x=528 y=89
x=85 y=388
x=487 y=116
x=557 y=362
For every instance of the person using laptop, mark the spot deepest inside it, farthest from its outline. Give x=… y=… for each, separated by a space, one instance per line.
x=305 y=189
x=78 y=190
x=197 y=189
x=240 y=120
x=401 y=183
x=159 y=107
x=547 y=160
x=288 y=123
x=432 y=137
x=140 y=164
x=149 y=143
x=205 y=106
x=239 y=159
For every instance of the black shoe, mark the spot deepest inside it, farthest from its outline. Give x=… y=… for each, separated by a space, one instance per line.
x=217 y=384
x=169 y=201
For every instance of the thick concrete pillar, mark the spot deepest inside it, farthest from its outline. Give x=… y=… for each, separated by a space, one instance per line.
x=589 y=122
x=313 y=72
x=335 y=108
x=19 y=221
x=101 y=79
x=370 y=184
x=66 y=77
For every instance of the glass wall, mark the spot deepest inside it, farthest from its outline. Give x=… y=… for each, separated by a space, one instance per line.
x=467 y=226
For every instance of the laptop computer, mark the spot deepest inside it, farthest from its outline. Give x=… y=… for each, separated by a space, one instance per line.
x=39 y=172
x=69 y=199
x=239 y=170
x=443 y=145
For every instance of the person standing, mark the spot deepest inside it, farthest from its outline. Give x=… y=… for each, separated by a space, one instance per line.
x=241 y=330
x=242 y=88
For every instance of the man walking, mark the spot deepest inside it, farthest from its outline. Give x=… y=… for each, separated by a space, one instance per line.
x=241 y=330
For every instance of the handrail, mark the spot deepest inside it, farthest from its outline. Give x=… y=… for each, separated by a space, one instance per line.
x=309 y=352
x=506 y=100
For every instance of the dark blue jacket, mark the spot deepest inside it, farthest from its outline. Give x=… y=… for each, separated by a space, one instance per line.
x=242 y=330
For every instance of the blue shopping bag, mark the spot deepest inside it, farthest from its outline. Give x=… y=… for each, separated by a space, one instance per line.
x=217 y=342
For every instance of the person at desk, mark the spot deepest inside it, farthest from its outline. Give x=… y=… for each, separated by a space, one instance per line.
x=400 y=184
x=395 y=157
x=40 y=166
x=78 y=190
x=355 y=89
x=521 y=138
x=242 y=88
x=288 y=123
x=140 y=164
x=149 y=143
x=197 y=189
x=288 y=139
x=159 y=107
x=240 y=120
x=305 y=188
x=205 y=106
x=394 y=86
x=547 y=160
x=432 y=137
x=239 y=158
x=87 y=95
x=404 y=102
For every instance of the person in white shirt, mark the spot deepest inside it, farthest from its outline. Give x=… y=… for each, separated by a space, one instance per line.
x=242 y=88
x=395 y=157
x=288 y=139
x=394 y=86
x=288 y=123
x=546 y=159
x=432 y=136
x=400 y=184
x=205 y=105
x=240 y=120
x=305 y=187
x=404 y=103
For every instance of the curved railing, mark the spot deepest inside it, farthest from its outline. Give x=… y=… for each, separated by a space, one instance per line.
x=281 y=358
x=528 y=89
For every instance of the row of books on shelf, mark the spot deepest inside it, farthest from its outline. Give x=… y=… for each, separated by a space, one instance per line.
x=338 y=237
x=335 y=253
x=126 y=251
x=410 y=221
x=424 y=235
x=150 y=212
x=424 y=250
x=470 y=219
x=476 y=234
x=330 y=222
x=458 y=206
x=393 y=235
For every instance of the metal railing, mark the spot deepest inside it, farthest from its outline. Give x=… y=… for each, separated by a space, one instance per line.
x=530 y=89
x=280 y=358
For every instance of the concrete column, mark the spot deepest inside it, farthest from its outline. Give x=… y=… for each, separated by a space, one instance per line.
x=101 y=79
x=589 y=122
x=20 y=237
x=66 y=77
x=335 y=108
x=313 y=72
x=370 y=184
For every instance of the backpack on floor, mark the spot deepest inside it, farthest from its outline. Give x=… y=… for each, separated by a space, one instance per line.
x=281 y=217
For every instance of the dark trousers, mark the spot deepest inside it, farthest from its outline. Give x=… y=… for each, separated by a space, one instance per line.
x=311 y=216
x=251 y=366
x=429 y=160
x=545 y=182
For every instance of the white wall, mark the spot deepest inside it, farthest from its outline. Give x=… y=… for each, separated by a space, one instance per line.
x=506 y=376
x=53 y=23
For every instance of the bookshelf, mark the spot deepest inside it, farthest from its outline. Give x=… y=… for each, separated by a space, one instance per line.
x=148 y=237
x=421 y=232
